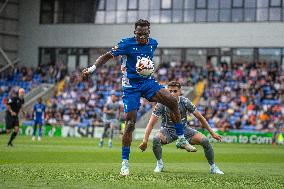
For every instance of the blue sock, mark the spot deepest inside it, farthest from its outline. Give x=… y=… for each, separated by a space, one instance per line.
x=125 y=152
x=39 y=132
x=179 y=129
x=34 y=132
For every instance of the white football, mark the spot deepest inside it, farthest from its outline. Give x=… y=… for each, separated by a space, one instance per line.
x=145 y=67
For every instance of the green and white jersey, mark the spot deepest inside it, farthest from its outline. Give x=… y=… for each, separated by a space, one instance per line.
x=163 y=112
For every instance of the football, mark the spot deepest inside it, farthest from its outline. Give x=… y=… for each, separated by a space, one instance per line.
x=145 y=67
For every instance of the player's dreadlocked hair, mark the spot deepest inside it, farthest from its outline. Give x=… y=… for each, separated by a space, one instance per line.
x=174 y=84
x=142 y=22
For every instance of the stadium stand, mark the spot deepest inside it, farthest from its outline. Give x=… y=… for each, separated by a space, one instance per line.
x=28 y=78
x=245 y=96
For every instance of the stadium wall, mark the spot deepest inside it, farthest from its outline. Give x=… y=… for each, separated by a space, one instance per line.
x=35 y=35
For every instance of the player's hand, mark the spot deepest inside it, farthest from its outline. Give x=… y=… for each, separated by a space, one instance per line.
x=143 y=146
x=13 y=113
x=216 y=136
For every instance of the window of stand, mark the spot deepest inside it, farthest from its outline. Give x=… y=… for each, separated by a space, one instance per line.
x=62 y=11
x=72 y=58
x=160 y=11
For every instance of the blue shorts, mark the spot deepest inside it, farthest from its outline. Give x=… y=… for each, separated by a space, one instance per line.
x=136 y=89
x=38 y=122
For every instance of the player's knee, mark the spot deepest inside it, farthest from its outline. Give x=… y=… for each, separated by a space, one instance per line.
x=163 y=138
x=205 y=142
x=130 y=126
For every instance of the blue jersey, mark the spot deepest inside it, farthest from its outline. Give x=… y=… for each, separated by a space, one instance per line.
x=132 y=51
x=39 y=110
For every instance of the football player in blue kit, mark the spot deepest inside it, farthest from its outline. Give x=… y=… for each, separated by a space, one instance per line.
x=136 y=86
x=38 y=113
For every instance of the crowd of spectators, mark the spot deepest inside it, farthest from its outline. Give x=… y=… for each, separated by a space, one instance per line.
x=82 y=102
x=28 y=78
x=243 y=95
x=188 y=74
x=246 y=96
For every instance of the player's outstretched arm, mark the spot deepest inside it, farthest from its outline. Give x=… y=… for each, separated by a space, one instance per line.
x=99 y=62
x=153 y=120
x=205 y=125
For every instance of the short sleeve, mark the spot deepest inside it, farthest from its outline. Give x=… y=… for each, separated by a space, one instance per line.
x=119 y=49
x=158 y=110
x=190 y=107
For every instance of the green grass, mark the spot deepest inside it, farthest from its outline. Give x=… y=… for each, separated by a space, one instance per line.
x=79 y=163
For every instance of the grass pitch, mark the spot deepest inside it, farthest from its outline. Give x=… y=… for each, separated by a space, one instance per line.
x=80 y=163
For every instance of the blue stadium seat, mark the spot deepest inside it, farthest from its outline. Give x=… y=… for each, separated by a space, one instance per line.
x=237 y=114
x=2 y=107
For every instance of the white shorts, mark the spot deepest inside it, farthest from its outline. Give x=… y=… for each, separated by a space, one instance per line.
x=171 y=135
